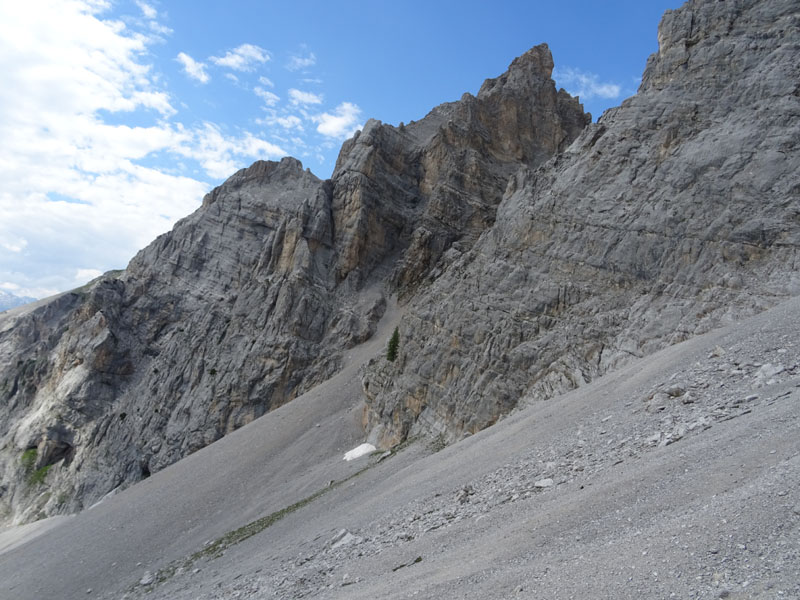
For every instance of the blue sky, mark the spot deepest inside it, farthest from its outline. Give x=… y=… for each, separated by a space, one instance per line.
x=117 y=116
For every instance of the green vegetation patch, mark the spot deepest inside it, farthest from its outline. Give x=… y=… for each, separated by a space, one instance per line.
x=28 y=458
x=39 y=475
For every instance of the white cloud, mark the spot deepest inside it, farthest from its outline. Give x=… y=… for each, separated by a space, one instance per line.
x=340 y=124
x=290 y=122
x=287 y=122
x=148 y=11
x=269 y=98
x=72 y=196
x=242 y=58
x=299 y=97
x=266 y=81
x=222 y=155
x=585 y=85
x=14 y=244
x=301 y=62
x=84 y=275
x=195 y=70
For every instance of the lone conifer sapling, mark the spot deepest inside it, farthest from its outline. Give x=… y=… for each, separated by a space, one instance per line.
x=391 y=349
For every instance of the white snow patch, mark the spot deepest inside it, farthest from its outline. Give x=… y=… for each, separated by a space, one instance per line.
x=359 y=451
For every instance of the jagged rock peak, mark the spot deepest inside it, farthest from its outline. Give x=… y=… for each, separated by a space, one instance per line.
x=270 y=170
x=287 y=171
x=533 y=67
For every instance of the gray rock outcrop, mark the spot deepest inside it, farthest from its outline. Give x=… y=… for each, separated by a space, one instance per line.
x=675 y=212
x=250 y=301
x=533 y=252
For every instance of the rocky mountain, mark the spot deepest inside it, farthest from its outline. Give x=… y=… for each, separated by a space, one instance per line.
x=674 y=213
x=531 y=251
x=251 y=300
x=8 y=300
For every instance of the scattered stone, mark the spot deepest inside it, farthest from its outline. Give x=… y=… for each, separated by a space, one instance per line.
x=147 y=579
x=544 y=483
x=675 y=391
x=465 y=493
x=344 y=538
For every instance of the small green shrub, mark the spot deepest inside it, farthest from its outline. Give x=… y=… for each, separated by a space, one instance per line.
x=39 y=475
x=394 y=343
x=28 y=458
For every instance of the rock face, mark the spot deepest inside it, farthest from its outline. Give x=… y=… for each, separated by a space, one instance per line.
x=250 y=300
x=533 y=251
x=675 y=212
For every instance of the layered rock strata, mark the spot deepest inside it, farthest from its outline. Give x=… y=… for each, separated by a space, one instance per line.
x=250 y=301
x=675 y=212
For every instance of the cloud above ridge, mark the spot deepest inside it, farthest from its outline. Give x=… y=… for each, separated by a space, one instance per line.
x=586 y=85
x=341 y=123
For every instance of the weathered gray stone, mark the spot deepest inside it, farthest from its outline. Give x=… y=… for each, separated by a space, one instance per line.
x=676 y=212
x=530 y=264
x=249 y=301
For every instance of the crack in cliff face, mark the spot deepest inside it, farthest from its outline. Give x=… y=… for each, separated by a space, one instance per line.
x=249 y=301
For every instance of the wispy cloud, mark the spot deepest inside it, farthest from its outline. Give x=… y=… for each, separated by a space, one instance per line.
x=242 y=58
x=219 y=154
x=285 y=121
x=14 y=244
x=298 y=97
x=341 y=123
x=297 y=62
x=195 y=70
x=266 y=81
x=149 y=14
x=270 y=99
x=586 y=85
x=93 y=202
x=148 y=11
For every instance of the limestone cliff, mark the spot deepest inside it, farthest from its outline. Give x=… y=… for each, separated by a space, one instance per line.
x=675 y=212
x=250 y=300
x=533 y=251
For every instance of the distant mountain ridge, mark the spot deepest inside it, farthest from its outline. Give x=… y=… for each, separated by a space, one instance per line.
x=530 y=249
x=9 y=300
